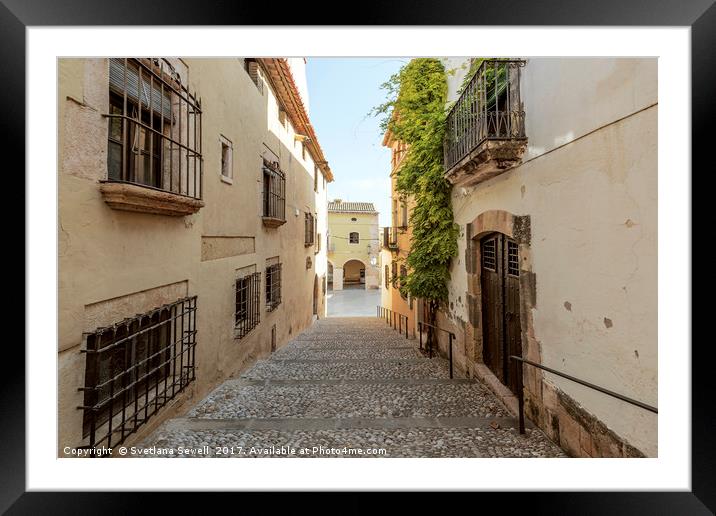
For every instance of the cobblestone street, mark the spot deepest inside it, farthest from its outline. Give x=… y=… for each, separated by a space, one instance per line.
x=351 y=383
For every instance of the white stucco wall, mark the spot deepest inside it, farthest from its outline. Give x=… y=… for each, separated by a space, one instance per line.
x=593 y=211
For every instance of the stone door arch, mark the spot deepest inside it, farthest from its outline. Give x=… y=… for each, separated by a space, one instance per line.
x=517 y=229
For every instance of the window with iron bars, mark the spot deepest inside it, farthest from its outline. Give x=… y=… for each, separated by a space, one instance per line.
x=134 y=367
x=154 y=128
x=274 y=194
x=248 y=313
x=310 y=229
x=387 y=277
x=273 y=286
x=394 y=275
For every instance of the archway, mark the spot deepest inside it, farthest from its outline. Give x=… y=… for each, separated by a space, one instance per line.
x=501 y=293
x=354 y=274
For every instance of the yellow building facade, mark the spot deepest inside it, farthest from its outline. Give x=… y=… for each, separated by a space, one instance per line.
x=395 y=242
x=353 y=245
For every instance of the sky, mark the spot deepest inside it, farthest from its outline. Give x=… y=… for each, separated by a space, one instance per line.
x=342 y=92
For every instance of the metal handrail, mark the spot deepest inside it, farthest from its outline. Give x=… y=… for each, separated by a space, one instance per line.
x=394 y=319
x=520 y=394
x=451 y=336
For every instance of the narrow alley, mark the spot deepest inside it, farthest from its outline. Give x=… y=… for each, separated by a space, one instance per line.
x=348 y=387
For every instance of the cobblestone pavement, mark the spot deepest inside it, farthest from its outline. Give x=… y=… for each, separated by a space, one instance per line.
x=348 y=387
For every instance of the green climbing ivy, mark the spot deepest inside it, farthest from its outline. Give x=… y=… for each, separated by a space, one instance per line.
x=414 y=113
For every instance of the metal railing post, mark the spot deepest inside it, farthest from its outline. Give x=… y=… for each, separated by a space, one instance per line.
x=406 y=327
x=450 y=353
x=520 y=397
x=420 y=331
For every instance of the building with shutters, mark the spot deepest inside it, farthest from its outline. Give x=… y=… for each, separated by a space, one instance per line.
x=192 y=215
x=353 y=245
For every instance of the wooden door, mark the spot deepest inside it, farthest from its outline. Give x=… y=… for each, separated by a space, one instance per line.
x=501 y=332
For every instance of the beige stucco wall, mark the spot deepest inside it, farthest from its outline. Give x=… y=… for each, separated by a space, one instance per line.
x=117 y=263
x=588 y=183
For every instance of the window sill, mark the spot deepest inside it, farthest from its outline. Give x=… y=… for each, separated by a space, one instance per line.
x=131 y=197
x=227 y=180
x=273 y=222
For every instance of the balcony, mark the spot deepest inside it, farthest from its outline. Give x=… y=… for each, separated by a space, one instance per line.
x=485 y=133
x=390 y=238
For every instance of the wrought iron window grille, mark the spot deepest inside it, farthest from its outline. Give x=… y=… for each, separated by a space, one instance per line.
x=248 y=314
x=154 y=128
x=273 y=287
x=310 y=230
x=134 y=367
x=274 y=193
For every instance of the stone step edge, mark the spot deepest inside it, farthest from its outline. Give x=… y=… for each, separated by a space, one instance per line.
x=317 y=424
x=416 y=360
x=249 y=382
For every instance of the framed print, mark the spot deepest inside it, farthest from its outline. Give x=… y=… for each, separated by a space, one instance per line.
x=457 y=250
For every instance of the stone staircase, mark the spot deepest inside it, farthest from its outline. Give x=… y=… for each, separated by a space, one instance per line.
x=356 y=386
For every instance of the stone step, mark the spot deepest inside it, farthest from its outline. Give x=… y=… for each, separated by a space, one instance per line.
x=363 y=399
x=294 y=424
x=357 y=332
x=365 y=369
x=344 y=352
x=434 y=439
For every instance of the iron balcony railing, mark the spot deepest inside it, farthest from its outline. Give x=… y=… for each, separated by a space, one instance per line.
x=489 y=108
x=390 y=238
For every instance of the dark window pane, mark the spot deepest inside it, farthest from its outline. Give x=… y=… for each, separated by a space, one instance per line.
x=114 y=160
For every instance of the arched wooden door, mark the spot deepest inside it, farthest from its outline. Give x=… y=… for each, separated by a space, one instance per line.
x=500 y=285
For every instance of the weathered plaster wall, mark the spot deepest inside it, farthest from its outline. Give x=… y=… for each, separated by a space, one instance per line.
x=589 y=186
x=117 y=263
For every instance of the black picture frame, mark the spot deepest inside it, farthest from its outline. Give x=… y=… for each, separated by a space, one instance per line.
x=700 y=15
